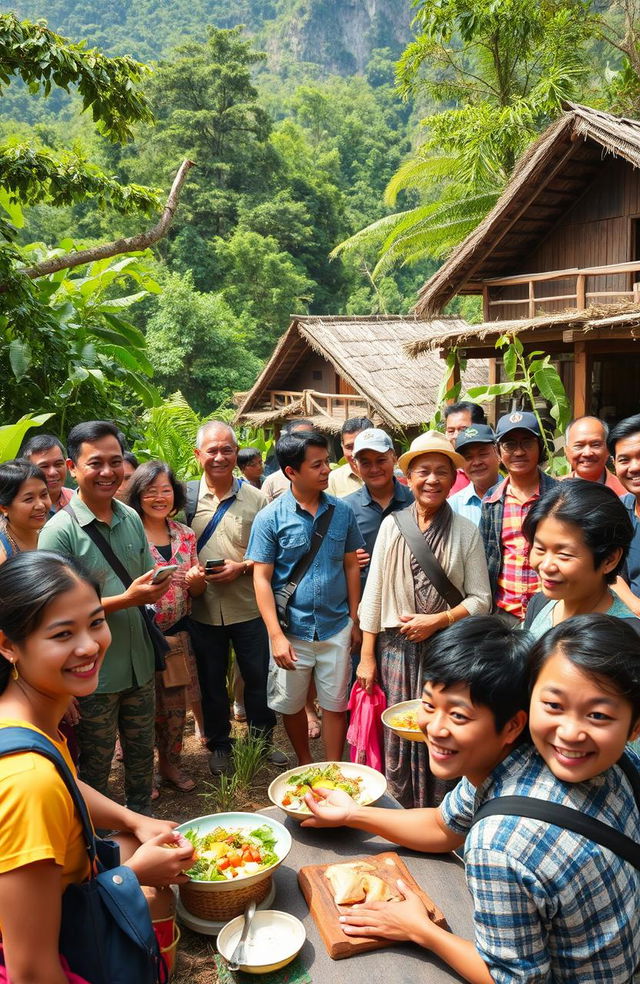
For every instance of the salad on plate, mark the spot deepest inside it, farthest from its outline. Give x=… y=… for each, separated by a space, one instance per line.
x=224 y=854
x=327 y=777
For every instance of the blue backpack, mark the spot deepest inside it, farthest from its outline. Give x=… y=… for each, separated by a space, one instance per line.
x=106 y=933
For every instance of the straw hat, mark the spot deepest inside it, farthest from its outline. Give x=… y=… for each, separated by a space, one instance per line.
x=432 y=441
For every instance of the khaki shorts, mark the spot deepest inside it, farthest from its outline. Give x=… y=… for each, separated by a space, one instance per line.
x=328 y=662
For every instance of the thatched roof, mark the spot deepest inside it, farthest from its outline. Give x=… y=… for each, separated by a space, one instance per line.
x=626 y=316
x=547 y=180
x=370 y=354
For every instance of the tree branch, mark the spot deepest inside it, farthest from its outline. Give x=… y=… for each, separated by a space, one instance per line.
x=130 y=244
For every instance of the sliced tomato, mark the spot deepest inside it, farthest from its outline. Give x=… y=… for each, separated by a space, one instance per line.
x=223 y=863
x=255 y=855
x=235 y=861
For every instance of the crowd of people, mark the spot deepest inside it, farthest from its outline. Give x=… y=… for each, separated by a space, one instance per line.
x=460 y=573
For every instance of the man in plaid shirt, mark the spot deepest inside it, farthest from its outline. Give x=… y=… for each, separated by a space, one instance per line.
x=549 y=905
x=513 y=581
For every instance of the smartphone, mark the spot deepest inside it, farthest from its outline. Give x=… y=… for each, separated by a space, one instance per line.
x=212 y=566
x=162 y=573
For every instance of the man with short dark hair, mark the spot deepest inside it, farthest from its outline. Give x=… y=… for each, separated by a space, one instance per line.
x=522 y=451
x=624 y=446
x=251 y=465
x=457 y=417
x=381 y=494
x=321 y=613
x=477 y=445
x=346 y=478
x=587 y=452
x=276 y=483
x=221 y=510
x=124 y=700
x=47 y=453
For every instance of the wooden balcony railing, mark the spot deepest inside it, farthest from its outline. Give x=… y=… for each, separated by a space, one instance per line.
x=580 y=297
x=337 y=405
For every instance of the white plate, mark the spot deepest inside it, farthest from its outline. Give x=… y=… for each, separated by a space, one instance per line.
x=402 y=708
x=275 y=938
x=239 y=821
x=374 y=785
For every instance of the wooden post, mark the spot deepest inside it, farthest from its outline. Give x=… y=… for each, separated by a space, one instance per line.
x=532 y=300
x=485 y=303
x=492 y=408
x=581 y=296
x=636 y=292
x=579 y=379
x=454 y=378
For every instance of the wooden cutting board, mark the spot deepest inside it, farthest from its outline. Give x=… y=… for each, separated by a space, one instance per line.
x=317 y=891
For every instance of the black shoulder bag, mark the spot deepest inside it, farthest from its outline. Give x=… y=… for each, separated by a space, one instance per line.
x=426 y=558
x=156 y=636
x=570 y=819
x=284 y=595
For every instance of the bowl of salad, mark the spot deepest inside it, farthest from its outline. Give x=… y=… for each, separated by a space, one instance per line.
x=402 y=719
x=234 y=850
x=364 y=784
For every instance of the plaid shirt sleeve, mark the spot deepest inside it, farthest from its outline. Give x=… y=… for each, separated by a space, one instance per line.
x=511 y=910
x=458 y=807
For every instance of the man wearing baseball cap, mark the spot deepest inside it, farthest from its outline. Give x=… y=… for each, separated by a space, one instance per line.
x=522 y=451
x=381 y=494
x=477 y=445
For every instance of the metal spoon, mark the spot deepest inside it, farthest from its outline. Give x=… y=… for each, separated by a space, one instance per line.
x=235 y=961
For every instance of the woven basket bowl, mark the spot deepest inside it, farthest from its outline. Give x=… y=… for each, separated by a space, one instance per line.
x=222 y=900
x=222 y=906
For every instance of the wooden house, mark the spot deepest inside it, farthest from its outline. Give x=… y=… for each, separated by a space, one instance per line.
x=331 y=368
x=557 y=261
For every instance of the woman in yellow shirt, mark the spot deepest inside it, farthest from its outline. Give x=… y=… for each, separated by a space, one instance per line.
x=53 y=637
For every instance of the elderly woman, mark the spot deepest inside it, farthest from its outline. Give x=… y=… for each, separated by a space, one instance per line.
x=402 y=607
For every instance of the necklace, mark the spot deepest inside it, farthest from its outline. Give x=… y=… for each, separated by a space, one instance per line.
x=15 y=546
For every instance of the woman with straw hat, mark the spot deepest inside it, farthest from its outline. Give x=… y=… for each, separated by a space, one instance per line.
x=428 y=570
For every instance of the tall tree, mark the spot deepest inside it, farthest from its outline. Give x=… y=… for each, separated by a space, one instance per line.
x=507 y=66
x=206 y=107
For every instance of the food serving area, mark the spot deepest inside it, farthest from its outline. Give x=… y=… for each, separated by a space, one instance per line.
x=442 y=877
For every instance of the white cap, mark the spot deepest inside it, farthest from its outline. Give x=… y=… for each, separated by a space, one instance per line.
x=372 y=439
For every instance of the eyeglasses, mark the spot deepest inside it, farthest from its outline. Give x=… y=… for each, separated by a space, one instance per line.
x=525 y=444
x=156 y=493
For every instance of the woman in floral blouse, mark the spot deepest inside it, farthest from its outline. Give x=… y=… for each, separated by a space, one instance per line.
x=156 y=496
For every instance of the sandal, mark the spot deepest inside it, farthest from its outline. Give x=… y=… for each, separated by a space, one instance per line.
x=183 y=784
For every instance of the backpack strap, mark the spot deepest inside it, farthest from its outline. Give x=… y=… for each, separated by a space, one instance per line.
x=536 y=603
x=569 y=819
x=193 y=490
x=15 y=740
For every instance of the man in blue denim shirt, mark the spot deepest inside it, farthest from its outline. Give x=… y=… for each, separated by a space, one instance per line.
x=322 y=612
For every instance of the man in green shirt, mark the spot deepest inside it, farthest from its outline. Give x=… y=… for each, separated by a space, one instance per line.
x=125 y=698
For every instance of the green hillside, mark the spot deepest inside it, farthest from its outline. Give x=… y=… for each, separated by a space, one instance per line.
x=337 y=35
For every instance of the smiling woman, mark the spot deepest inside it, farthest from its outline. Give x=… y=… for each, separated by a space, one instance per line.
x=52 y=645
x=402 y=607
x=24 y=504
x=579 y=533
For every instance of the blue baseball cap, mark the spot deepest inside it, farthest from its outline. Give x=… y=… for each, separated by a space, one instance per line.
x=475 y=434
x=518 y=420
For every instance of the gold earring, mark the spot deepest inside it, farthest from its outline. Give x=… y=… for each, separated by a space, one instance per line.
x=14 y=672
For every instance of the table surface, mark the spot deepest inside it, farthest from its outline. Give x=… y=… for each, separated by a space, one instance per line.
x=442 y=877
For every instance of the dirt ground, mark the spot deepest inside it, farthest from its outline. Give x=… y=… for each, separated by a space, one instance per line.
x=195 y=964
